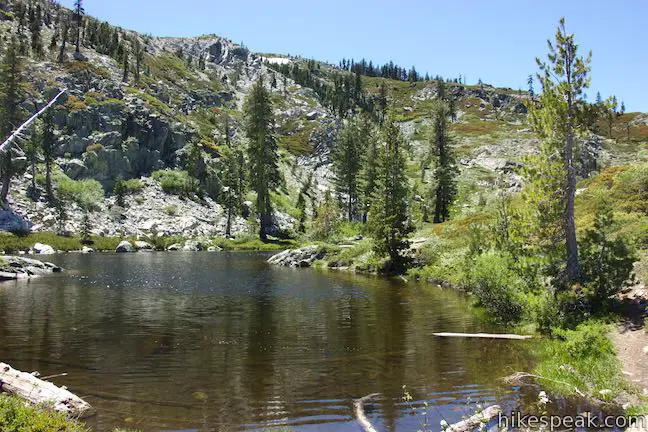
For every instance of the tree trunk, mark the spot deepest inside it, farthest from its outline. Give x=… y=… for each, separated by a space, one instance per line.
x=228 y=228
x=48 y=179
x=39 y=392
x=6 y=177
x=573 y=266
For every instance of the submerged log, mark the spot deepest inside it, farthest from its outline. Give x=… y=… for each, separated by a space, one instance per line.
x=358 y=410
x=38 y=392
x=484 y=335
x=475 y=421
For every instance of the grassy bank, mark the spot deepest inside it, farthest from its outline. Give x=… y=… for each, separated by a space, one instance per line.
x=14 y=243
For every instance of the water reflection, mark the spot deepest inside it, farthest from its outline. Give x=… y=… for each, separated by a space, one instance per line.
x=224 y=342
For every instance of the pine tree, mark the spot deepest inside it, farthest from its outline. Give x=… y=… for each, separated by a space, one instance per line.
x=562 y=113
x=530 y=84
x=389 y=219
x=32 y=150
x=262 y=152
x=11 y=96
x=125 y=73
x=445 y=185
x=233 y=176
x=78 y=16
x=47 y=147
x=326 y=218
x=86 y=228
x=35 y=29
x=347 y=158
x=65 y=30
x=119 y=190
x=138 y=54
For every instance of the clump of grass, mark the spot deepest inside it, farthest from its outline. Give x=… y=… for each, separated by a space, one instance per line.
x=12 y=243
x=251 y=242
x=15 y=416
x=171 y=210
x=581 y=362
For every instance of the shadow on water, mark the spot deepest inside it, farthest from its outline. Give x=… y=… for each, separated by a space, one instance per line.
x=198 y=341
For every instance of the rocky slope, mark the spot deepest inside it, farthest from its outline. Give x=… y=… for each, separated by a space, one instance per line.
x=111 y=127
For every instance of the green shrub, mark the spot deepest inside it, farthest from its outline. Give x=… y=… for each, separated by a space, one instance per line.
x=15 y=416
x=177 y=182
x=88 y=193
x=95 y=148
x=607 y=262
x=133 y=185
x=171 y=210
x=497 y=287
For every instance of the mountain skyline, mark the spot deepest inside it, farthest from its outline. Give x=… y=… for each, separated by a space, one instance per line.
x=435 y=38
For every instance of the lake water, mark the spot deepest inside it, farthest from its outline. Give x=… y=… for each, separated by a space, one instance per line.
x=222 y=341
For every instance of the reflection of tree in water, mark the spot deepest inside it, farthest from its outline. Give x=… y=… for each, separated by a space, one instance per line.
x=259 y=369
x=393 y=317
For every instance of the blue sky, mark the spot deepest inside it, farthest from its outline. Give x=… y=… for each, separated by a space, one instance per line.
x=495 y=40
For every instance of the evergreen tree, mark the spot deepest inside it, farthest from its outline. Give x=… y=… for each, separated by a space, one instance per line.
x=47 y=146
x=138 y=54
x=445 y=185
x=78 y=17
x=233 y=184
x=35 y=29
x=389 y=219
x=347 y=157
x=11 y=96
x=119 y=190
x=125 y=73
x=86 y=227
x=32 y=149
x=262 y=151
x=326 y=218
x=530 y=84
x=560 y=115
x=65 y=30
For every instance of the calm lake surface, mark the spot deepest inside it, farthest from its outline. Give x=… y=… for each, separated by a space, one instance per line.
x=222 y=341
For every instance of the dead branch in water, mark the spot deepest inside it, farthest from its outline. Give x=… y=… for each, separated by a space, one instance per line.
x=484 y=335
x=358 y=410
x=475 y=421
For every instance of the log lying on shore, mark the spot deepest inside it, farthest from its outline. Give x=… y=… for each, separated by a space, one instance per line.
x=358 y=411
x=38 y=392
x=475 y=421
x=484 y=335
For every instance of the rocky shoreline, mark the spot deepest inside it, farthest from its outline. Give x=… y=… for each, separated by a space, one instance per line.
x=15 y=267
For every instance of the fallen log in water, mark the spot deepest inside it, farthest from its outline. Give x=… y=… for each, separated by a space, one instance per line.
x=475 y=421
x=484 y=335
x=38 y=392
x=358 y=410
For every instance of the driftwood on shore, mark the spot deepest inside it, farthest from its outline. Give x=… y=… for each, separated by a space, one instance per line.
x=38 y=392
x=484 y=335
x=475 y=421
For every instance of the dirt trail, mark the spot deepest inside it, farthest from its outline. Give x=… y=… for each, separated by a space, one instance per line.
x=631 y=337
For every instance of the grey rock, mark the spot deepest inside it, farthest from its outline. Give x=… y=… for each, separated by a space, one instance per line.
x=125 y=246
x=174 y=247
x=302 y=257
x=11 y=222
x=142 y=245
x=43 y=249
